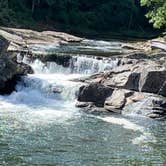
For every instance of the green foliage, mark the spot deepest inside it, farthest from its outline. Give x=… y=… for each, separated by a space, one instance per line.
x=77 y=16
x=157 y=13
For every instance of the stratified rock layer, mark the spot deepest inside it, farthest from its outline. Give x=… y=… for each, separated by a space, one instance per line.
x=130 y=83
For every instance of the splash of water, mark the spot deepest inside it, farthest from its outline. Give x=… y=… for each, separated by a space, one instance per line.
x=145 y=136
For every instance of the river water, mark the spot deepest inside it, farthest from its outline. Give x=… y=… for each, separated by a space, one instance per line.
x=40 y=125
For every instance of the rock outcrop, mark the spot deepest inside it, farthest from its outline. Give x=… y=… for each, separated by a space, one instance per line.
x=117 y=100
x=129 y=83
x=142 y=77
x=23 y=39
x=60 y=59
x=95 y=92
x=10 y=69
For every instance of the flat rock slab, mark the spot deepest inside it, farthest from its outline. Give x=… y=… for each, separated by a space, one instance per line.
x=158 y=45
x=22 y=38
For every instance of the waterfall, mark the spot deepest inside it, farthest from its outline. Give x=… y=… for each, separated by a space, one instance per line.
x=77 y=65
x=85 y=65
x=52 y=81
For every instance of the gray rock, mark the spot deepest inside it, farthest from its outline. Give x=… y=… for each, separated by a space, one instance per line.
x=3 y=45
x=60 y=59
x=152 y=81
x=84 y=104
x=152 y=106
x=10 y=70
x=158 y=45
x=117 y=101
x=94 y=92
x=158 y=109
x=133 y=82
x=162 y=90
x=138 y=56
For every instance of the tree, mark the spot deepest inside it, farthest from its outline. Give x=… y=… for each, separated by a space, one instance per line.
x=157 y=13
x=3 y=3
x=34 y=3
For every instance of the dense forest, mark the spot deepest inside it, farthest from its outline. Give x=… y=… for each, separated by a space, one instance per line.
x=83 y=17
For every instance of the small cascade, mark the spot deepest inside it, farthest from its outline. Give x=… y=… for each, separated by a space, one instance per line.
x=85 y=65
x=77 y=65
x=52 y=81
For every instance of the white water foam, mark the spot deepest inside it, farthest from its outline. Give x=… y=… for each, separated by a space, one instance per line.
x=85 y=65
x=36 y=98
x=78 y=65
x=145 y=137
x=123 y=122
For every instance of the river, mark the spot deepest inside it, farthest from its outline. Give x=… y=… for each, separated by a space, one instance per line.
x=40 y=125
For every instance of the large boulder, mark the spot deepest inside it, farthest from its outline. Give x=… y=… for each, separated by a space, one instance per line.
x=152 y=81
x=116 y=101
x=10 y=70
x=60 y=59
x=143 y=77
x=95 y=92
x=133 y=81
x=120 y=98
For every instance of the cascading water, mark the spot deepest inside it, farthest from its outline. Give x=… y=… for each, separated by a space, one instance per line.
x=39 y=124
x=51 y=87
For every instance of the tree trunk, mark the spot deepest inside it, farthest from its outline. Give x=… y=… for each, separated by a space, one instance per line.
x=33 y=5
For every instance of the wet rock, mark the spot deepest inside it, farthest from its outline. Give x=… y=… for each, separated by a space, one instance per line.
x=56 y=89
x=92 y=109
x=3 y=45
x=22 y=39
x=143 y=77
x=152 y=106
x=158 y=109
x=158 y=55
x=117 y=100
x=138 y=56
x=10 y=72
x=94 y=92
x=24 y=69
x=125 y=61
x=133 y=82
x=84 y=104
x=61 y=59
x=162 y=90
x=152 y=81
x=135 y=97
x=8 y=86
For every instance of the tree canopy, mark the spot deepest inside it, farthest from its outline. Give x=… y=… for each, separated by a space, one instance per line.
x=157 y=12
x=77 y=16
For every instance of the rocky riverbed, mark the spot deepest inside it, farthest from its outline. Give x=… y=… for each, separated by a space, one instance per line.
x=117 y=89
x=139 y=75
